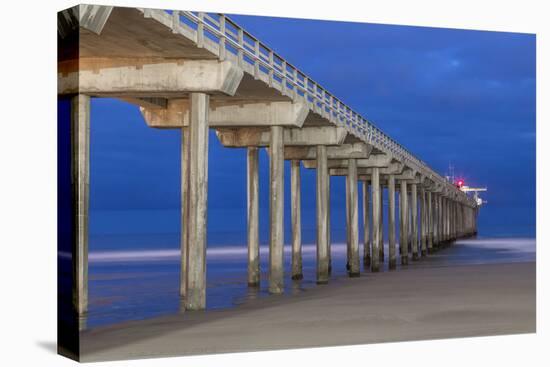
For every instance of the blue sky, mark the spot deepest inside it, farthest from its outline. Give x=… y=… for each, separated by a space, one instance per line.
x=450 y=96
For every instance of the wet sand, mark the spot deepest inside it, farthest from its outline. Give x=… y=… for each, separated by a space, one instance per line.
x=409 y=304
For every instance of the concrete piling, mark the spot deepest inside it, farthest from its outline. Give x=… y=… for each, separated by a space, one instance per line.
x=276 y=268
x=296 y=219
x=376 y=203
x=322 y=216
x=80 y=167
x=329 y=246
x=451 y=221
x=184 y=153
x=348 y=219
x=414 y=221
x=366 y=226
x=440 y=219
x=353 y=224
x=434 y=220
x=391 y=222
x=409 y=224
x=447 y=221
x=423 y=223
x=430 y=223
x=197 y=204
x=381 y=225
x=252 y=215
x=403 y=230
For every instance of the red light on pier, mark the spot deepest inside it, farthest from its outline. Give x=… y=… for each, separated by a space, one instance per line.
x=460 y=183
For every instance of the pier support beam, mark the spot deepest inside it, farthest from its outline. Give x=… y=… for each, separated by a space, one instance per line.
x=446 y=219
x=376 y=203
x=329 y=245
x=443 y=222
x=353 y=216
x=452 y=219
x=403 y=230
x=348 y=236
x=381 y=225
x=184 y=207
x=414 y=220
x=437 y=219
x=366 y=226
x=296 y=218
x=322 y=216
x=443 y=219
x=456 y=220
x=197 y=204
x=430 y=219
x=391 y=222
x=441 y=226
x=253 y=220
x=423 y=223
x=80 y=167
x=276 y=269
x=460 y=227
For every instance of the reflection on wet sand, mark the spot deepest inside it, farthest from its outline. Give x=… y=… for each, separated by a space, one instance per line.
x=122 y=289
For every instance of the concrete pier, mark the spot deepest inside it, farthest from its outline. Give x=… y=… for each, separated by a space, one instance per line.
x=253 y=217
x=195 y=298
x=366 y=226
x=276 y=242
x=376 y=204
x=391 y=222
x=192 y=83
x=80 y=167
x=322 y=216
x=403 y=227
x=296 y=219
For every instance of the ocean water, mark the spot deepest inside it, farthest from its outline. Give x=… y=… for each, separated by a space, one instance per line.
x=144 y=282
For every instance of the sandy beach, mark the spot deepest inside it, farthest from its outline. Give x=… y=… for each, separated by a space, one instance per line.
x=409 y=304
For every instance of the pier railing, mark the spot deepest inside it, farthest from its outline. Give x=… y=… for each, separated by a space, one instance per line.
x=220 y=34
